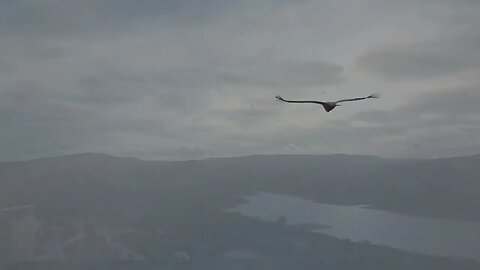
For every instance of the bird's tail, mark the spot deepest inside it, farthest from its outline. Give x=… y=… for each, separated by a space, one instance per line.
x=279 y=98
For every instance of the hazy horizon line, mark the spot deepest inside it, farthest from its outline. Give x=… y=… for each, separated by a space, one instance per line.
x=230 y=157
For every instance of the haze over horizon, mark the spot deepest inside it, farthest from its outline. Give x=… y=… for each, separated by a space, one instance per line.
x=179 y=80
x=93 y=211
x=96 y=155
x=161 y=134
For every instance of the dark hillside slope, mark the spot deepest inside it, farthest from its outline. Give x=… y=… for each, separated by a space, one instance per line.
x=439 y=187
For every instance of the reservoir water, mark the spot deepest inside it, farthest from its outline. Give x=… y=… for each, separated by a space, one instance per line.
x=418 y=234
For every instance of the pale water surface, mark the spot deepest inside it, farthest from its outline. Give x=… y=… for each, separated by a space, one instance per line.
x=357 y=223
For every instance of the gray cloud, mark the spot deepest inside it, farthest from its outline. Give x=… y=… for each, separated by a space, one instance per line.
x=425 y=59
x=91 y=18
x=258 y=73
x=190 y=79
x=459 y=102
x=441 y=123
x=449 y=47
x=60 y=18
x=437 y=123
x=107 y=89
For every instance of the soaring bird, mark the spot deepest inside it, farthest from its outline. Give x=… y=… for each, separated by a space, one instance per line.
x=327 y=105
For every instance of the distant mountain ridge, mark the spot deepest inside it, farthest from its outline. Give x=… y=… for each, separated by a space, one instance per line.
x=93 y=210
x=444 y=187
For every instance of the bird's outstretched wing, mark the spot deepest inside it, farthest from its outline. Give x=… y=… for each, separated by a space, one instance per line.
x=360 y=98
x=278 y=97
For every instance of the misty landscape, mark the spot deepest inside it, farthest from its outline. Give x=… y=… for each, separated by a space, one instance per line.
x=240 y=135
x=95 y=211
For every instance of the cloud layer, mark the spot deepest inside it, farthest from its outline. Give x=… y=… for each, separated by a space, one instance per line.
x=188 y=79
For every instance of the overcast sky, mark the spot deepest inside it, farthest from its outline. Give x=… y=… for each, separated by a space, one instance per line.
x=183 y=79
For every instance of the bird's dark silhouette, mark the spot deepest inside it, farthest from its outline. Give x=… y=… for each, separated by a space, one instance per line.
x=327 y=105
